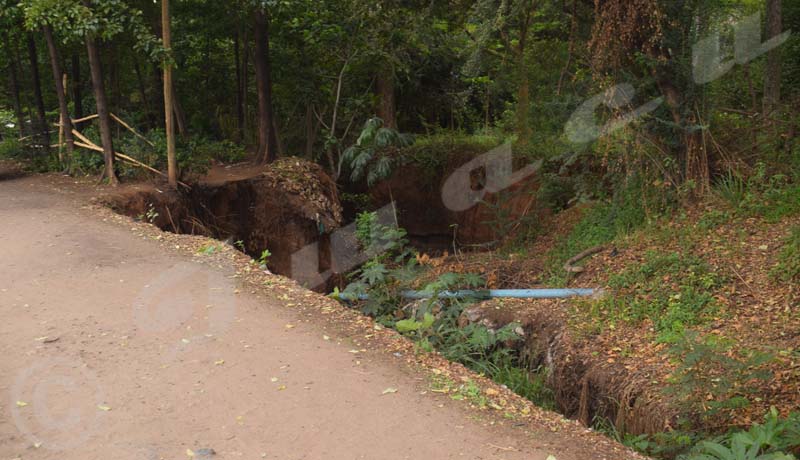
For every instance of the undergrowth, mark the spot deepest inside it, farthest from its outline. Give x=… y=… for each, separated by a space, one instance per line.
x=630 y=208
x=673 y=291
x=788 y=267
x=433 y=321
x=772 y=197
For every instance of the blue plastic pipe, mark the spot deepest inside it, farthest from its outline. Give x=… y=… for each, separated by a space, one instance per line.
x=492 y=293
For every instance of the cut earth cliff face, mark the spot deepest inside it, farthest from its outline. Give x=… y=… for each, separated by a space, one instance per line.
x=423 y=213
x=289 y=205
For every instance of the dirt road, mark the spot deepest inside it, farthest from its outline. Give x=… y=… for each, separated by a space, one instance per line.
x=112 y=348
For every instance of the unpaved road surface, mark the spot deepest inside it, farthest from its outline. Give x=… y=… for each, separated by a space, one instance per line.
x=112 y=348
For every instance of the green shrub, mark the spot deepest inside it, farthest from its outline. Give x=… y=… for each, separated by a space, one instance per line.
x=732 y=188
x=712 y=377
x=788 y=267
x=772 y=197
x=10 y=147
x=772 y=440
x=438 y=154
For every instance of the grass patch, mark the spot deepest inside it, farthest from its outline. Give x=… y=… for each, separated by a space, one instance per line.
x=632 y=207
x=674 y=291
x=770 y=197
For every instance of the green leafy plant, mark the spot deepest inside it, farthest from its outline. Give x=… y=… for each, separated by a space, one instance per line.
x=768 y=441
x=263 y=259
x=412 y=325
x=732 y=188
x=710 y=378
x=374 y=154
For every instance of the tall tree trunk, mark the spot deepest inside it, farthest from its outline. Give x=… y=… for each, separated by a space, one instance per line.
x=102 y=109
x=13 y=73
x=55 y=62
x=239 y=87
x=772 y=75
x=266 y=152
x=384 y=87
x=172 y=165
x=37 y=91
x=77 y=97
x=524 y=89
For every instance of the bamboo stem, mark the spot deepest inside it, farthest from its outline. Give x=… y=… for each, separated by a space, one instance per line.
x=129 y=128
x=86 y=118
x=88 y=144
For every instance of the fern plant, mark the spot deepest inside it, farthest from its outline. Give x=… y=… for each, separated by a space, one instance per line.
x=371 y=156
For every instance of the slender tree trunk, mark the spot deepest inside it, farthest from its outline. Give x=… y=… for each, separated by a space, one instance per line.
x=172 y=165
x=148 y=108
x=573 y=31
x=55 y=62
x=77 y=97
x=180 y=115
x=37 y=91
x=278 y=140
x=113 y=81
x=311 y=131
x=104 y=120
x=245 y=82
x=266 y=152
x=13 y=73
x=384 y=87
x=754 y=127
x=772 y=75
x=239 y=87
x=524 y=90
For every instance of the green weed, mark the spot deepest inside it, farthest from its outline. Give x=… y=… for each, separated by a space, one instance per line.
x=711 y=378
x=673 y=291
x=788 y=267
x=772 y=440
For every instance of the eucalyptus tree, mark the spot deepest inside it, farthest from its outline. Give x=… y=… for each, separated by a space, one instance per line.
x=36 y=83
x=10 y=20
x=166 y=26
x=41 y=16
x=90 y=21
x=267 y=143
